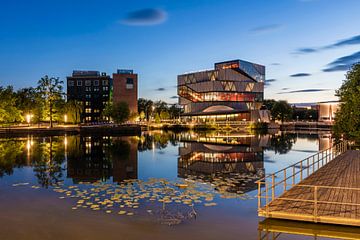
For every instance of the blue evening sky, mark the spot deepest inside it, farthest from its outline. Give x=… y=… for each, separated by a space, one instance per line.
x=313 y=40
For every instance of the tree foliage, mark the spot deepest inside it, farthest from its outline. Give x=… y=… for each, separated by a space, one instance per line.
x=347 y=119
x=281 y=110
x=9 y=113
x=50 y=89
x=118 y=112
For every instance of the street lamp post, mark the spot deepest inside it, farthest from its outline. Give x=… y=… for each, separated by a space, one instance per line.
x=28 y=119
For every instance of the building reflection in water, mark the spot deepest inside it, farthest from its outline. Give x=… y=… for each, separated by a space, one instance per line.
x=271 y=229
x=225 y=156
x=94 y=158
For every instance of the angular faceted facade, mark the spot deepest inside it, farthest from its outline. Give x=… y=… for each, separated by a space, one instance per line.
x=233 y=91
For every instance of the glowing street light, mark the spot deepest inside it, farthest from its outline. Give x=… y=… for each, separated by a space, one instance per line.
x=28 y=118
x=65 y=118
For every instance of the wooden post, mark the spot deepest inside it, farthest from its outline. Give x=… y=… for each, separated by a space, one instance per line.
x=308 y=167
x=266 y=199
x=315 y=204
x=273 y=187
x=293 y=176
x=259 y=195
x=285 y=180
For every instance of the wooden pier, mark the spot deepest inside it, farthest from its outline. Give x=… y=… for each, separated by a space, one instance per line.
x=323 y=188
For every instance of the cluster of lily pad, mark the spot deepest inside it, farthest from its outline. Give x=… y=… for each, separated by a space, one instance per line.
x=171 y=202
x=127 y=197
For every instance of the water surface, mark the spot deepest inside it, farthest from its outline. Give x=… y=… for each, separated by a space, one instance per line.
x=156 y=186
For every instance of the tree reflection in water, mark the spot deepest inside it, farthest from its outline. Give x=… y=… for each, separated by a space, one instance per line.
x=11 y=155
x=48 y=158
x=282 y=144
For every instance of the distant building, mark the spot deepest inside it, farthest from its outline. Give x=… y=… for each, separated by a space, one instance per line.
x=125 y=88
x=327 y=110
x=92 y=89
x=232 y=91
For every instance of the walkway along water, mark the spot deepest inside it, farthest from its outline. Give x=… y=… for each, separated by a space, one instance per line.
x=321 y=188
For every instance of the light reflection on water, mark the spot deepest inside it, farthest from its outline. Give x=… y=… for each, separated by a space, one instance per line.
x=229 y=165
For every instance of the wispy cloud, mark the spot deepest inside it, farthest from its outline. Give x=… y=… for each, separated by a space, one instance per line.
x=285 y=88
x=300 y=75
x=174 y=97
x=275 y=64
x=266 y=28
x=160 y=89
x=343 y=63
x=145 y=17
x=310 y=90
x=269 y=81
x=341 y=43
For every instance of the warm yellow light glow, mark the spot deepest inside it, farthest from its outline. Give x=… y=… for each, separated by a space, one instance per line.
x=65 y=118
x=28 y=118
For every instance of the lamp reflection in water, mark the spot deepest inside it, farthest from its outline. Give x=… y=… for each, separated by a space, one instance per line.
x=29 y=144
x=272 y=229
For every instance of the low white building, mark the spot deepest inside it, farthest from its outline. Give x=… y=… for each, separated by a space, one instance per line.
x=327 y=110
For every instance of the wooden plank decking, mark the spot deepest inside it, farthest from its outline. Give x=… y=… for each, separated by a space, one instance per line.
x=337 y=199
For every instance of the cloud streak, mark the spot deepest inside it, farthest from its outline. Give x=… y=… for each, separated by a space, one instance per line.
x=160 y=89
x=310 y=90
x=269 y=81
x=343 y=63
x=341 y=43
x=145 y=17
x=266 y=28
x=300 y=75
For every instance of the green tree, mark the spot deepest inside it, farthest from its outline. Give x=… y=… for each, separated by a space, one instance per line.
x=157 y=118
x=142 y=115
x=175 y=111
x=164 y=115
x=281 y=111
x=269 y=103
x=146 y=106
x=9 y=113
x=73 y=110
x=51 y=92
x=118 y=112
x=347 y=118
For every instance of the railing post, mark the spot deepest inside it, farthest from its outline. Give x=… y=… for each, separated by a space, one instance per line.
x=308 y=167
x=273 y=187
x=301 y=171
x=315 y=203
x=284 y=180
x=259 y=194
x=293 y=176
x=266 y=199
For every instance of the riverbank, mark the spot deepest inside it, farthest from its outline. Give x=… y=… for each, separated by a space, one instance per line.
x=129 y=129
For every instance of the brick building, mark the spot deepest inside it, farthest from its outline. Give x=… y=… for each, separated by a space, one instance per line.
x=125 y=88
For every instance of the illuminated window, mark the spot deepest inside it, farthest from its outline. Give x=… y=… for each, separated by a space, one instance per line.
x=105 y=88
x=96 y=89
x=129 y=83
x=88 y=89
x=105 y=82
x=88 y=110
x=87 y=103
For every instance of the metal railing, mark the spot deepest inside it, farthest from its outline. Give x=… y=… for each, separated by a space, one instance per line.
x=274 y=186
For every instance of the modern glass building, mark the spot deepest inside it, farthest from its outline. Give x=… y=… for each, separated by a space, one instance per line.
x=232 y=91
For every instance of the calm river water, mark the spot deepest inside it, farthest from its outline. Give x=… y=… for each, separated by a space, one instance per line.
x=155 y=186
